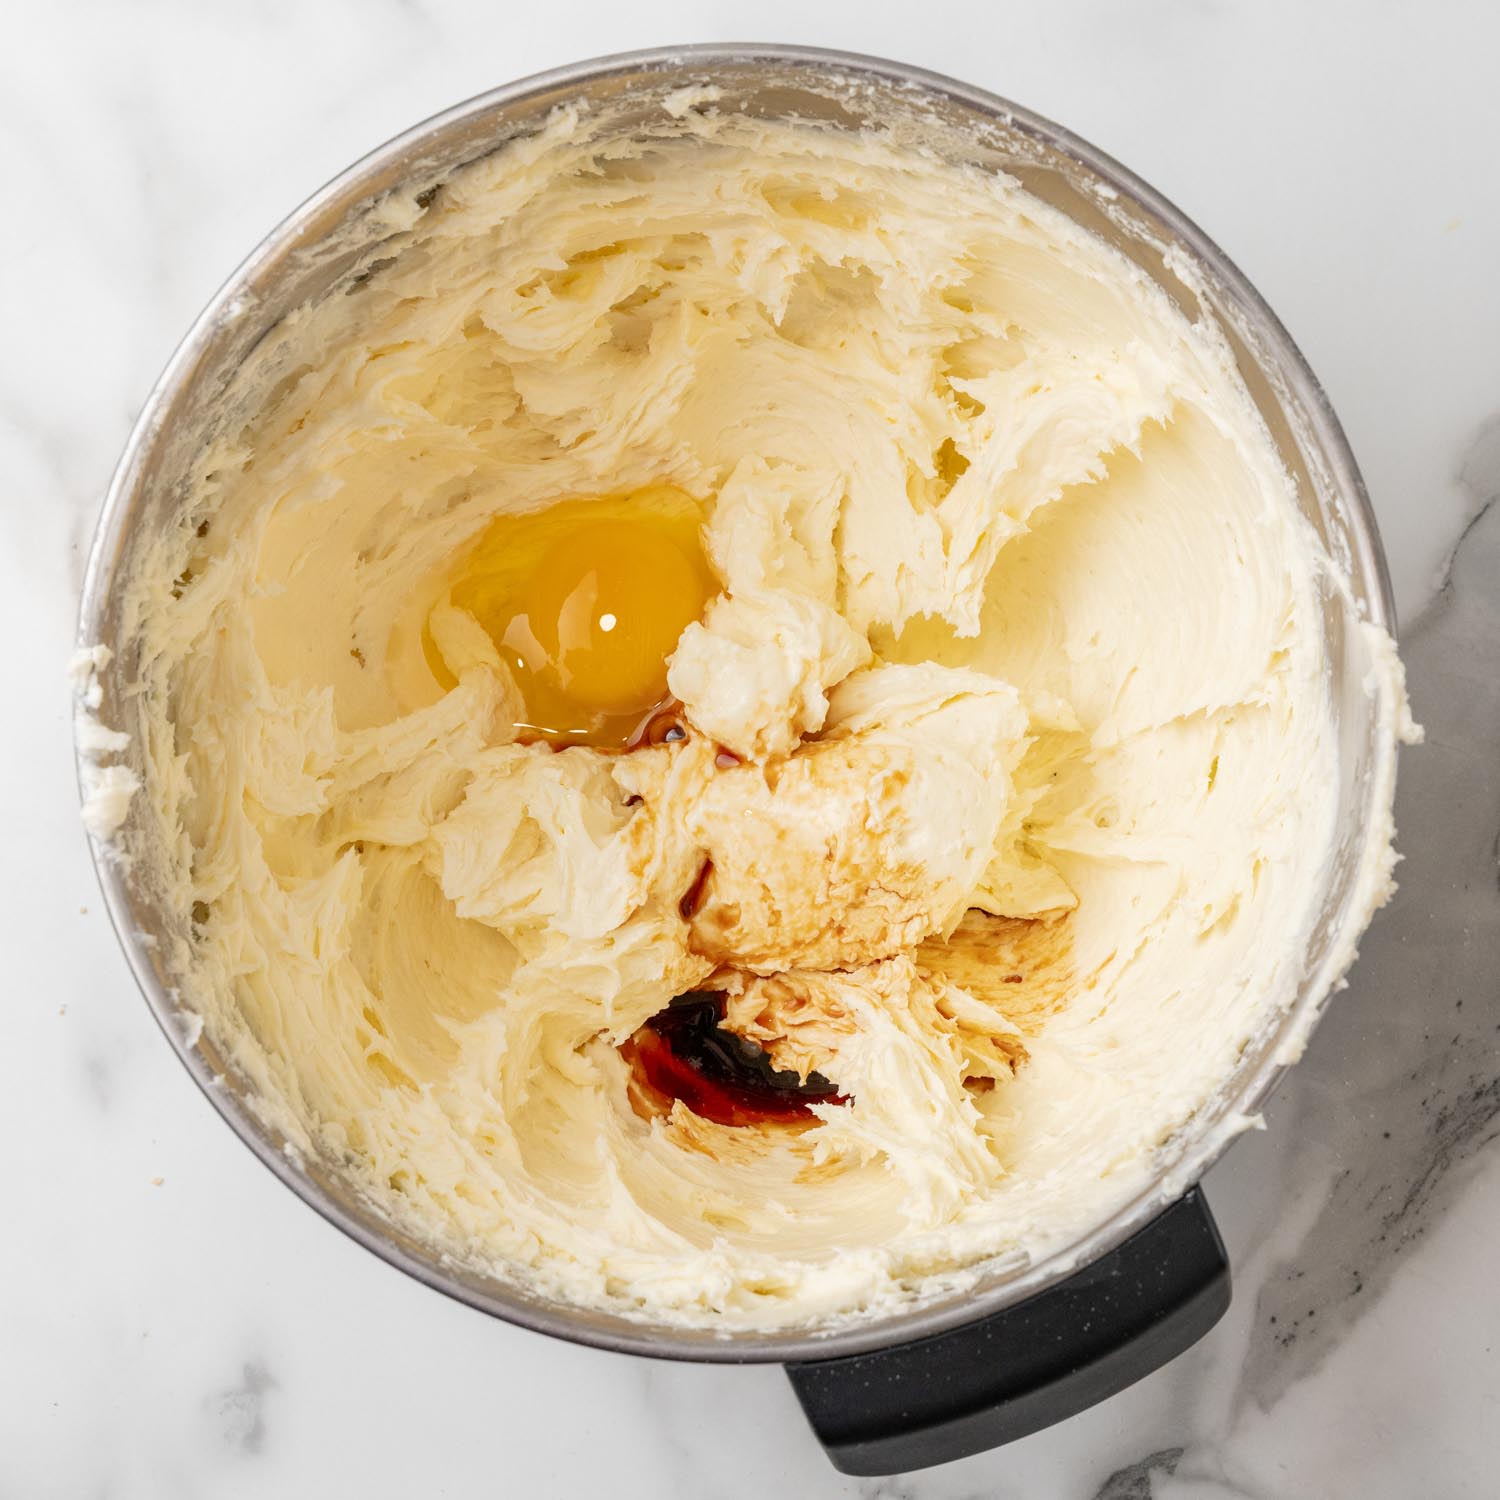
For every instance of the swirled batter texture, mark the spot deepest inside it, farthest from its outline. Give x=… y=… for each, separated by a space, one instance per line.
x=1005 y=790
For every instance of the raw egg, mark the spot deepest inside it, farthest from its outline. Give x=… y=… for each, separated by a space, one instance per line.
x=585 y=601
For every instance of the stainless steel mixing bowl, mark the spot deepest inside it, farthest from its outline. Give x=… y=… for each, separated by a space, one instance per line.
x=324 y=246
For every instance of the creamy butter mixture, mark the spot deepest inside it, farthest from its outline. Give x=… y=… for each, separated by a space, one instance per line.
x=1007 y=790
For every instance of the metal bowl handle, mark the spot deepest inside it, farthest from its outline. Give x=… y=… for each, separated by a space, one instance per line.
x=1028 y=1366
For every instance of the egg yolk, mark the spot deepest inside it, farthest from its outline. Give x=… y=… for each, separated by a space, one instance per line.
x=603 y=613
x=586 y=601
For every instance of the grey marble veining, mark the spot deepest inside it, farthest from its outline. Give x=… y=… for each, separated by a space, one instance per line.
x=1406 y=1082
x=1134 y=1481
x=173 y=1323
x=240 y=1409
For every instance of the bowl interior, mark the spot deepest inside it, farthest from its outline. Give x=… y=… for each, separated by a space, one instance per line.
x=322 y=249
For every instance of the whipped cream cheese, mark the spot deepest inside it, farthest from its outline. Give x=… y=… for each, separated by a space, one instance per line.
x=1009 y=787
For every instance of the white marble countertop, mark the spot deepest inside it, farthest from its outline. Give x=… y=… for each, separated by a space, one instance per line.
x=174 y=1323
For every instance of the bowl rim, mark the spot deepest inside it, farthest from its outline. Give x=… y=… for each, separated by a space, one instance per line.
x=619 y=1333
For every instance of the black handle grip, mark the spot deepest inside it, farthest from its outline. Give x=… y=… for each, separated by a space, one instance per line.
x=1030 y=1365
